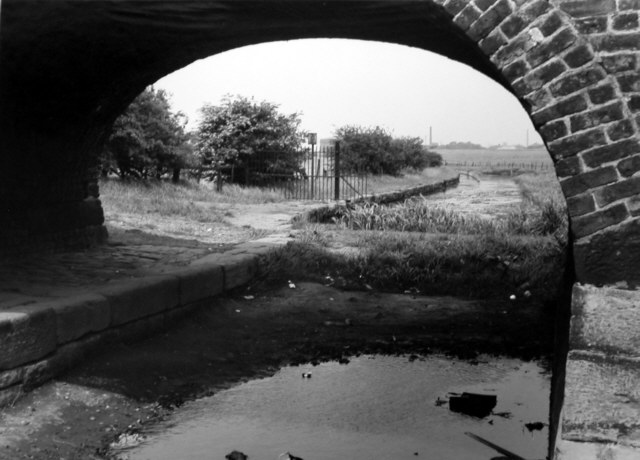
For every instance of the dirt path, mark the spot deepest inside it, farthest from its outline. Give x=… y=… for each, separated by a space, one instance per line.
x=110 y=396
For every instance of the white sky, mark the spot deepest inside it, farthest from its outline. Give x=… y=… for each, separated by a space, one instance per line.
x=334 y=82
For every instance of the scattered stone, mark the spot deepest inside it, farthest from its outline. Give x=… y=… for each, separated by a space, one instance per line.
x=236 y=455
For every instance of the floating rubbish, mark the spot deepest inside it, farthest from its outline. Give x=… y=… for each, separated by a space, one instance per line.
x=306 y=375
x=474 y=404
x=288 y=456
x=235 y=455
x=497 y=448
x=534 y=426
x=291 y=285
x=249 y=297
x=512 y=297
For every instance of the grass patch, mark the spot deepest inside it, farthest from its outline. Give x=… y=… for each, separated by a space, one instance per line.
x=417 y=246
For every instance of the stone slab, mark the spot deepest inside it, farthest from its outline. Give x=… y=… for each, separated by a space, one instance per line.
x=200 y=282
x=239 y=269
x=605 y=319
x=137 y=298
x=80 y=315
x=602 y=399
x=27 y=333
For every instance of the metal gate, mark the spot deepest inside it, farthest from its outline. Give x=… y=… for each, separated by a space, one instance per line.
x=311 y=174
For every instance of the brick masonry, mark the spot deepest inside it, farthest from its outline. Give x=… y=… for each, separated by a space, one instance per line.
x=574 y=65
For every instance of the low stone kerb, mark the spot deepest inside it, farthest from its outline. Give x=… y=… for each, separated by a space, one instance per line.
x=142 y=297
x=27 y=333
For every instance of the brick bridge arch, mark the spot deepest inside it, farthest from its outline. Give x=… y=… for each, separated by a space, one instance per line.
x=69 y=67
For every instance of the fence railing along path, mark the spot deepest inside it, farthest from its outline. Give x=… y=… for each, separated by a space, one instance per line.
x=311 y=174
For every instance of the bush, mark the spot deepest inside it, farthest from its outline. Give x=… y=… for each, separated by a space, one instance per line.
x=375 y=151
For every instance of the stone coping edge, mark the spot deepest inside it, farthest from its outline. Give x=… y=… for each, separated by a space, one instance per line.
x=43 y=339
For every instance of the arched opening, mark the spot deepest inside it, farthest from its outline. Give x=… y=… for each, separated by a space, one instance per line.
x=104 y=53
x=259 y=71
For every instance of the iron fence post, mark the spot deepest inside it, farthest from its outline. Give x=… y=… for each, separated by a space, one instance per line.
x=336 y=167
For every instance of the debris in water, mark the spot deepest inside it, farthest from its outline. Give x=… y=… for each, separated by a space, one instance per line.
x=474 y=404
x=306 y=375
x=534 y=426
x=527 y=293
x=497 y=448
x=235 y=455
x=288 y=456
x=249 y=297
x=512 y=297
x=291 y=285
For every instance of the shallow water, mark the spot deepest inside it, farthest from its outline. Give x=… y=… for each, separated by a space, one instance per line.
x=372 y=408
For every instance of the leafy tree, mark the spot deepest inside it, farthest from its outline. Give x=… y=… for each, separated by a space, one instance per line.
x=376 y=151
x=147 y=140
x=245 y=136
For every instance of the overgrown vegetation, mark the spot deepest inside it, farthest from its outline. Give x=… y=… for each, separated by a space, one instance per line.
x=418 y=246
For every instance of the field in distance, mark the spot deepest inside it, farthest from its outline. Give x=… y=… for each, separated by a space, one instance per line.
x=494 y=157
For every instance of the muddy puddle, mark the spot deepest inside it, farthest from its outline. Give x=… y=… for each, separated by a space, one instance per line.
x=374 y=407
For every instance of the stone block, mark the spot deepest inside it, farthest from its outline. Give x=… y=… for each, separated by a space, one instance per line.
x=492 y=43
x=80 y=315
x=603 y=93
x=601 y=394
x=551 y=48
x=571 y=105
x=587 y=8
x=513 y=25
x=578 y=56
x=605 y=319
x=454 y=7
x=467 y=16
x=27 y=333
x=239 y=269
x=484 y=5
x=634 y=103
x=629 y=166
x=568 y=167
x=551 y=24
x=200 y=282
x=625 y=21
x=545 y=73
x=11 y=377
x=554 y=130
x=577 y=82
x=610 y=257
x=580 y=183
x=134 y=299
x=618 y=191
x=580 y=205
x=628 y=5
x=594 y=25
x=489 y=20
x=586 y=225
x=620 y=62
x=611 y=43
x=622 y=130
x=515 y=70
x=601 y=115
x=9 y=396
x=608 y=153
x=576 y=143
x=630 y=83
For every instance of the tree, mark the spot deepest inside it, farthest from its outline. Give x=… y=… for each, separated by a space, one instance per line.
x=376 y=151
x=241 y=132
x=148 y=139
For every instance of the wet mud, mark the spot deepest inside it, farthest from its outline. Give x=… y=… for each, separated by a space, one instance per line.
x=249 y=334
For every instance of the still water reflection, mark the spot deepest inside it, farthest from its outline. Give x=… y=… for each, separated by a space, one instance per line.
x=373 y=408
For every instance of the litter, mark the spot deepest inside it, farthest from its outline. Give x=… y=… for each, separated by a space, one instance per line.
x=474 y=404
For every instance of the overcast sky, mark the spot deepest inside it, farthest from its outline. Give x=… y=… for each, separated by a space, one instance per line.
x=334 y=82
